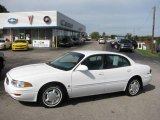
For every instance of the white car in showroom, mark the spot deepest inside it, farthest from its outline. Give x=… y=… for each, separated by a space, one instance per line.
x=76 y=74
x=4 y=44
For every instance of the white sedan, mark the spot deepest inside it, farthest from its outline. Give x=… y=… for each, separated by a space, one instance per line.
x=4 y=44
x=76 y=74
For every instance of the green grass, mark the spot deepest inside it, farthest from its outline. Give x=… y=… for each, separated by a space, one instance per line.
x=148 y=53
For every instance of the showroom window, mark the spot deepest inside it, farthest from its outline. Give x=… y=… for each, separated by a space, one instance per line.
x=41 y=34
x=34 y=34
x=48 y=34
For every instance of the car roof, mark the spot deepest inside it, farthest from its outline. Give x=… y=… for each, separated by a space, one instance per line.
x=94 y=52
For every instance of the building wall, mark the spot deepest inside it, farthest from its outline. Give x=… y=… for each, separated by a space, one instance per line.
x=39 y=25
x=23 y=19
x=37 y=20
x=63 y=20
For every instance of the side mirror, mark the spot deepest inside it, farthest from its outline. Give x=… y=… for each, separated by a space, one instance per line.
x=82 y=68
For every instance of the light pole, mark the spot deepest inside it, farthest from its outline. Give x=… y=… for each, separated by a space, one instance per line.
x=152 y=41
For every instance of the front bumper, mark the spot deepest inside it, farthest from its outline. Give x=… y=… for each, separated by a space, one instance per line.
x=19 y=48
x=18 y=93
x=126 y=48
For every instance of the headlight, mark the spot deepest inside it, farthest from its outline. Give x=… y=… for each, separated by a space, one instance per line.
x=21 y=84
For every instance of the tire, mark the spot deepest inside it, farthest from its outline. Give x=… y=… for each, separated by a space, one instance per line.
x=1 y=64
x=133 y=87
x=131 y=51
x=51 y=96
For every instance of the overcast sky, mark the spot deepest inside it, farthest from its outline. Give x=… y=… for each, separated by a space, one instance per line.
x=109 y=16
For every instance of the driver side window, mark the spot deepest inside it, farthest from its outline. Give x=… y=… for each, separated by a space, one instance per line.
x=94 y=62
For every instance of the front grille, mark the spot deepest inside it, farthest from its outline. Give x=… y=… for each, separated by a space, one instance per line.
x=7 y=81
x=20 y=45
x=19 y=48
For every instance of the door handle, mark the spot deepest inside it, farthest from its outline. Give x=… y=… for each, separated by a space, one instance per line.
x=129 y=70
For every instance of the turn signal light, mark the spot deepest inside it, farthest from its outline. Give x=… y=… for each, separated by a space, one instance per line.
x=17 y=94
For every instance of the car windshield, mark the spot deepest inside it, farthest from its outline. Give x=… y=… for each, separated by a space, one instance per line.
x=2 y=41
x=67 y=61
x=22 y=41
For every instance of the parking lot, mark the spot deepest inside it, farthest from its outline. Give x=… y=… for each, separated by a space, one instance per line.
x=115 y=106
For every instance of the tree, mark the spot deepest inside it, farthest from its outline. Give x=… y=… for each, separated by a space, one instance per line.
x=113 y=36
x=128 y=36
x=136 y=38
x=95 y=35
x=104 y=36
x=3 y=9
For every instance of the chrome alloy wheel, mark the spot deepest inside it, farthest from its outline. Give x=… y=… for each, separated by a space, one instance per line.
x=134 y=87
x=52 y=96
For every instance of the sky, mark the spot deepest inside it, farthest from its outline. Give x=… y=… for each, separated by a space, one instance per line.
x=117 y=17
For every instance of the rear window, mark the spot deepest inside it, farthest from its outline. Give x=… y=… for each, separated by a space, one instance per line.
x=115 y=61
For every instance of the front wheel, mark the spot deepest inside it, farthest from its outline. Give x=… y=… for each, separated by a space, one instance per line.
x=51 y=96
x=1 y=64
x=133 y=87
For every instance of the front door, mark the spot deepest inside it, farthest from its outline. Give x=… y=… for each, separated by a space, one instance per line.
x=89 y=82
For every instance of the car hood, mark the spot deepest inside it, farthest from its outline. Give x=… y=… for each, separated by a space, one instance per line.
x=19 y=43
x=28 y=71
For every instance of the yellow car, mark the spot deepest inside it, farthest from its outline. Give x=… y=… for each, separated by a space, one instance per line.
x=20 y=45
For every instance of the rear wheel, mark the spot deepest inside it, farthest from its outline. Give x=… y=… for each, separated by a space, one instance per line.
x=51 y=96
x=133 y=87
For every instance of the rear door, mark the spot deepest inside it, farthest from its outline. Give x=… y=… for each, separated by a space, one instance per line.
x=117 y=71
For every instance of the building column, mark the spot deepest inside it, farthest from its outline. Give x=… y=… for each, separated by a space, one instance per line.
x=54 y=38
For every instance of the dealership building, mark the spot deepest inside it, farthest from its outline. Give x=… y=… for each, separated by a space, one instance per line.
x=39 y=28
